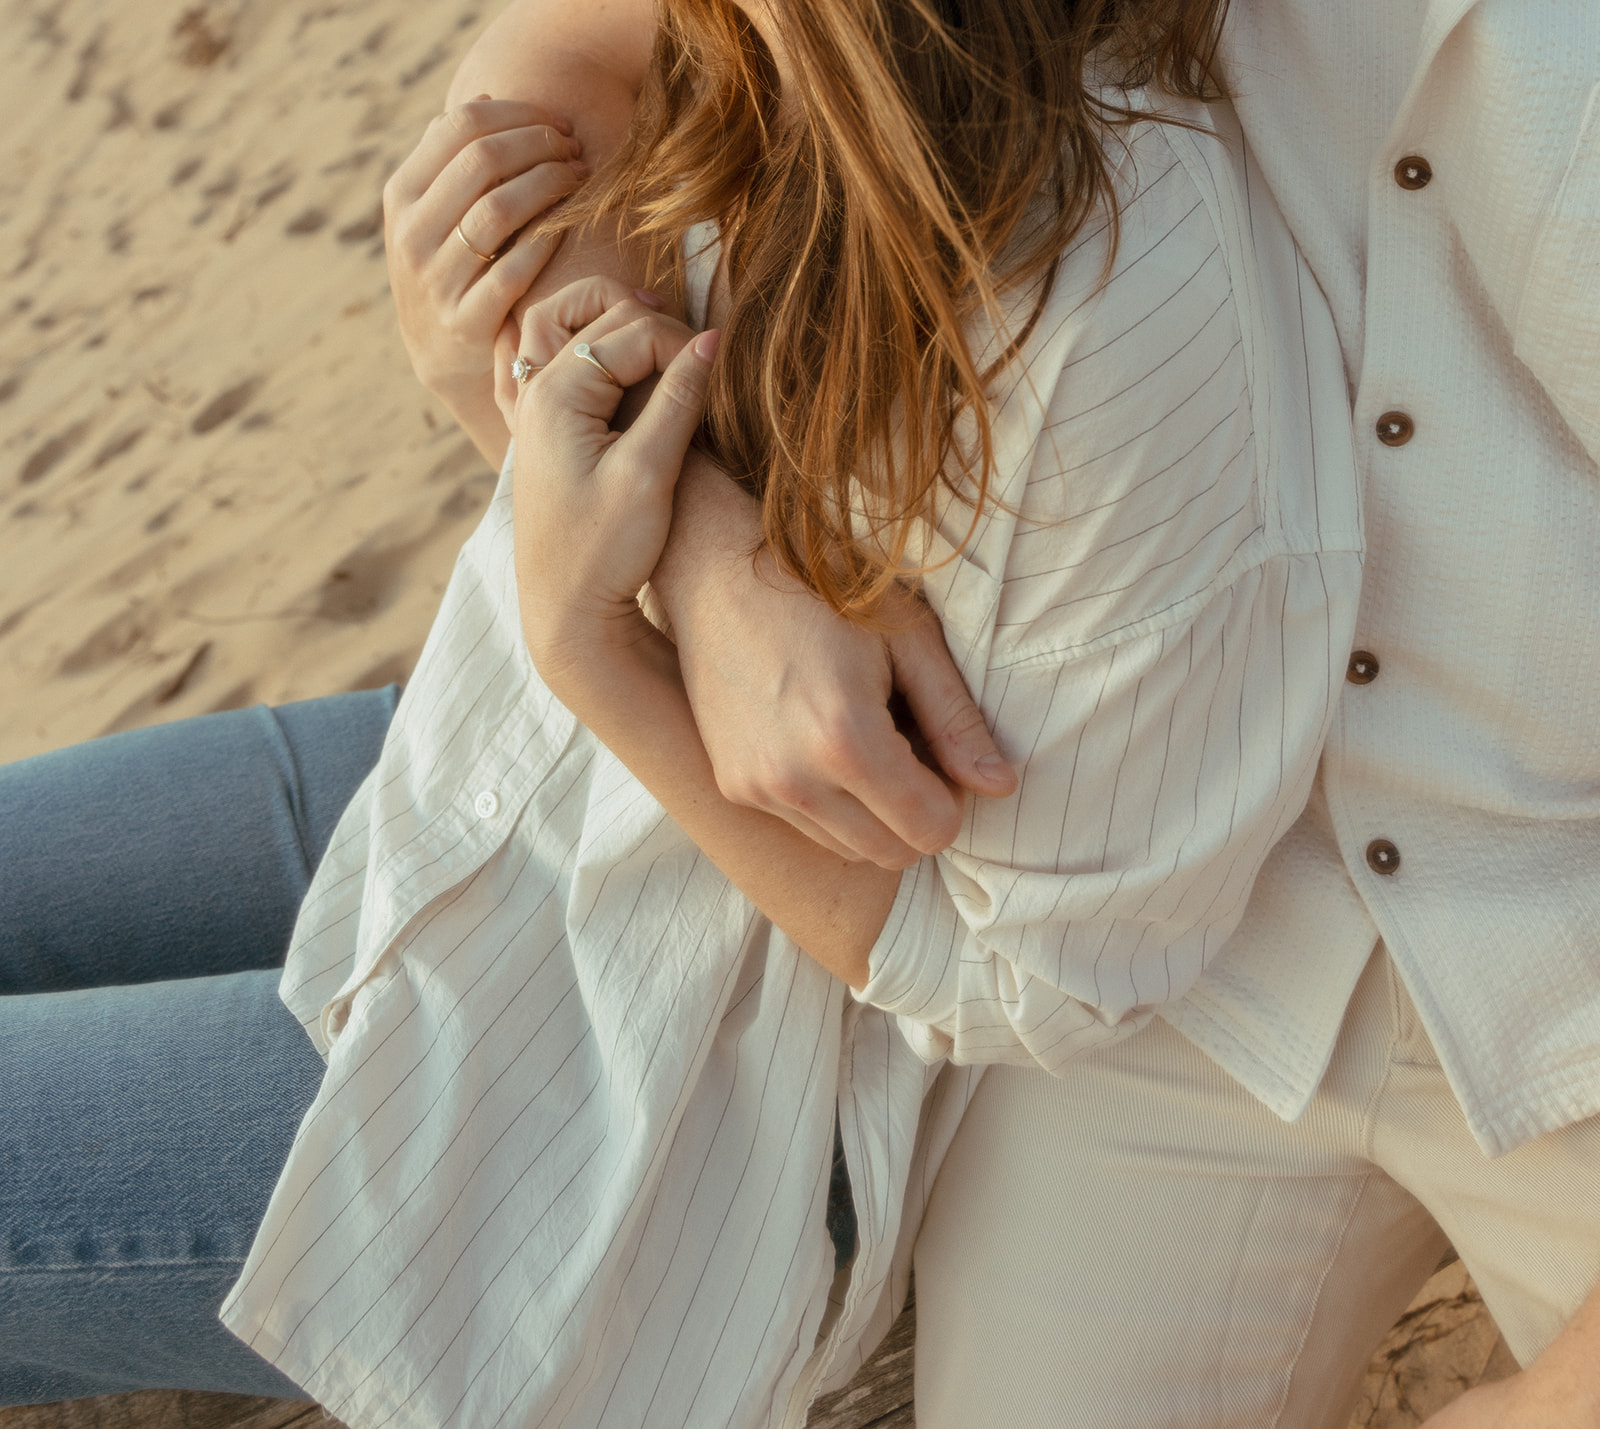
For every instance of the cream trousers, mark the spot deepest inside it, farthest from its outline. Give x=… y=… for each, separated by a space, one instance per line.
x=1140 y=1243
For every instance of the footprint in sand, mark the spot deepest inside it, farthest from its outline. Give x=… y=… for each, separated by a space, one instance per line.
x=225 y=405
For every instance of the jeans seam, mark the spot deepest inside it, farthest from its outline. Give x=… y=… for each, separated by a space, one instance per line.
x=103 y=1265
x=290 y=769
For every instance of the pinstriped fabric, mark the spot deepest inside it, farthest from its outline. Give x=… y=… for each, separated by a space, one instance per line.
x=570 y=1161
x=1171 y=618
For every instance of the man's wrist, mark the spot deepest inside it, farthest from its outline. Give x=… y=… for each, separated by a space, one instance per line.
x=716 y=527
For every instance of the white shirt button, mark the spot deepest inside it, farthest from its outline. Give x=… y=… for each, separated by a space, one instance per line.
x=487 y=804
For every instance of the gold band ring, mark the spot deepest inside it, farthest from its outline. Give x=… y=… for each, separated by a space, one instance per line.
x=481 y=257
x=523 y=370
x=586 y=352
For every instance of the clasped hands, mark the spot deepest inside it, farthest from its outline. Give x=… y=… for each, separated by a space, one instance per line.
x=792 y=701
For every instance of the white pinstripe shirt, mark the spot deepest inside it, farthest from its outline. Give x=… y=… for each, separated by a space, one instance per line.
x=570 y=1160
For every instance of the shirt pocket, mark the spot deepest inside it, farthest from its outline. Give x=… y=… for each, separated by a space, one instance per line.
x=1556 y=332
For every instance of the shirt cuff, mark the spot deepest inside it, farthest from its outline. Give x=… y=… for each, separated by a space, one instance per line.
x=915 y=964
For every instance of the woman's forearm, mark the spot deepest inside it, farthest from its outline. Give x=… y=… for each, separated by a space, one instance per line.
x=833 y=908
x=791 y=697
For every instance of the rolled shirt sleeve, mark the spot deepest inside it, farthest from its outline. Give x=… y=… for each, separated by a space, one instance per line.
x=1158 y=773
x=1155 y=622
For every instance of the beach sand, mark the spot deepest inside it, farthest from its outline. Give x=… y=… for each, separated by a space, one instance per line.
x=219 y=482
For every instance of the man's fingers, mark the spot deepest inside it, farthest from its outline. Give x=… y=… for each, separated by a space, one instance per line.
x=828 y=816
x=817 y=834
x=951 y=723
x=874 y=767
x=906 y=796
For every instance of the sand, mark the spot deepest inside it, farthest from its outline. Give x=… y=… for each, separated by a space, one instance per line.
x=221 y=483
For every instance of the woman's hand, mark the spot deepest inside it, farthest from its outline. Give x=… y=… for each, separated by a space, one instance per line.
x=593 y=506
x=452 y=214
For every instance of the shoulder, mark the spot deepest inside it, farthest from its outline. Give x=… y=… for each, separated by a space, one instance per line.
x=1188 y=416
x=1204 y=312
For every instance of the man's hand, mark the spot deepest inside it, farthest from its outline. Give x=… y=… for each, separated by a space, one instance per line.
x=793 y=702
x=1515 y=1403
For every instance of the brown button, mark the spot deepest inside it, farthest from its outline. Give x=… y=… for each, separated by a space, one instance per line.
x=1363 y=667
x=1413 y=172
x=1395 y=429
x=1383 y=857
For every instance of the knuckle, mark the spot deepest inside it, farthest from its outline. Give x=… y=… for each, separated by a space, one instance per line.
x=462 y=120
x=477 y=158
x=405 y=239
x=675 y=391
x=736 y=787
x=787 y=786
x=962 y=719
x=835 y=744
x=938 y=832
x=495 y=209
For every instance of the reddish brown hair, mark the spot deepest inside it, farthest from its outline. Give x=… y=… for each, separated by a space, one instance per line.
x=937 y=158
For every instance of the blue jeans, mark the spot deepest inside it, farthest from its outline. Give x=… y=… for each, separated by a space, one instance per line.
x=150 y=1080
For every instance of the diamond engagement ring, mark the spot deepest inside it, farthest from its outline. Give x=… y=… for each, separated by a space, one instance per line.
x=523 y=371
x=586 y=352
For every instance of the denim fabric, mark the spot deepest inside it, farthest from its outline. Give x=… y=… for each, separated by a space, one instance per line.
x=150 y=1080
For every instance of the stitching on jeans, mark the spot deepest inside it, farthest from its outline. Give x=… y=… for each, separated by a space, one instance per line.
x=99 y=1267
x=291 y=774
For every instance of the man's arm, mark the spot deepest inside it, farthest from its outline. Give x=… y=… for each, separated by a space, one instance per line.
x=790 y=699
x=1559 y=1390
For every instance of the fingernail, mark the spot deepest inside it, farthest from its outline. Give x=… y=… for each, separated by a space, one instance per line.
x=649 y=299
x=705 y=346
x=992 y=766
x=561 y=125
x=581 y=169
x=483 y=96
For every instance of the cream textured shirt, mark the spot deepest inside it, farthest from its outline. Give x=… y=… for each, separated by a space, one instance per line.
x=570 y=1161
x=1469 y=303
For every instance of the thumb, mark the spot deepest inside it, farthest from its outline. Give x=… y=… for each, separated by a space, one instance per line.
x=944 y=711
x=661 y=433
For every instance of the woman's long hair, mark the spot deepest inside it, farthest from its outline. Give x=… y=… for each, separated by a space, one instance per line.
x=936 y=157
